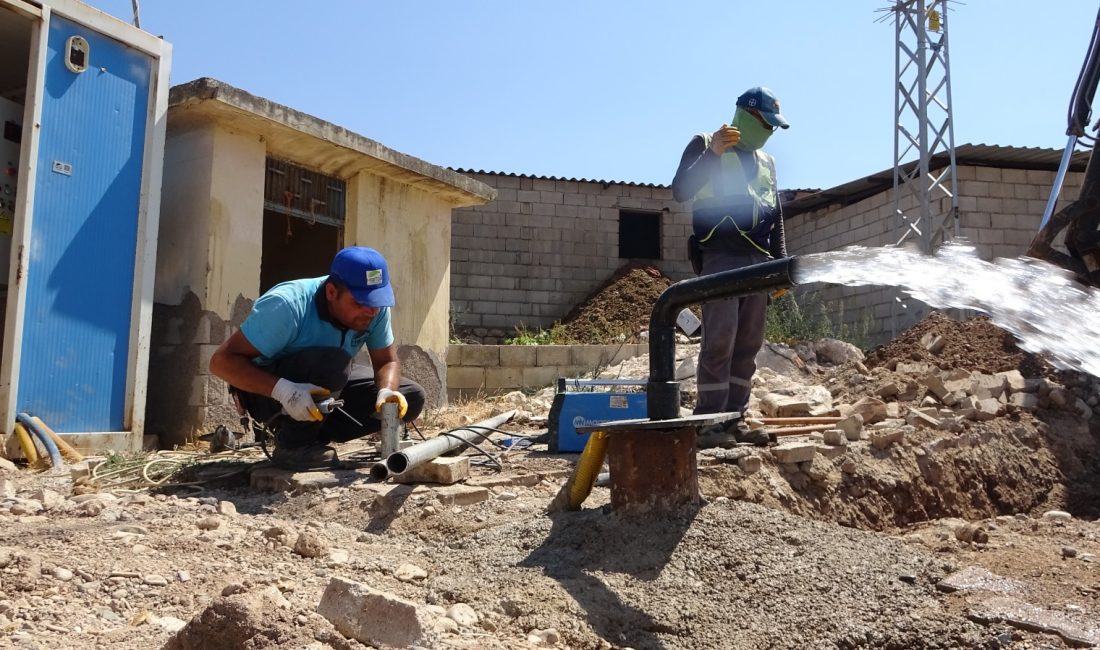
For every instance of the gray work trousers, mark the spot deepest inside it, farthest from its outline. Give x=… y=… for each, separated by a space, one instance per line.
x=733 y=333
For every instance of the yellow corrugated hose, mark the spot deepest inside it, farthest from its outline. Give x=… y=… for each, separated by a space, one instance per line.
x=65 y=448
x=588 y=468
x=26 y=443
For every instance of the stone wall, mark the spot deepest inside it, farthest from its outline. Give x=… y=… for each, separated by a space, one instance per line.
x=475 y=370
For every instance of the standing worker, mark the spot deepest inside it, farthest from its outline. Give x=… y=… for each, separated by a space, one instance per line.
x=297 y=346
x=737 y=221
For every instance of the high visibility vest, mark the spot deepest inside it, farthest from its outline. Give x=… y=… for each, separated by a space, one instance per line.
x=732 y=210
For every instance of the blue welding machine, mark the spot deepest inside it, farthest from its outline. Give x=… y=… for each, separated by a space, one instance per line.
x=585 y=408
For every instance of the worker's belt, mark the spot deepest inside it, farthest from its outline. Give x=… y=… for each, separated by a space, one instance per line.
x=726 y=227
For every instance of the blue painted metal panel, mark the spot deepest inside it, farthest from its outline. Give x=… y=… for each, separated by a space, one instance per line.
x=80 y=266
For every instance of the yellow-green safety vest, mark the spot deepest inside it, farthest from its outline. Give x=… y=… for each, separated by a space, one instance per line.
x=737 y=207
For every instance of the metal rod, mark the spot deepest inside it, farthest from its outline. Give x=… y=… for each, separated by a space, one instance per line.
x=1059 y=179
x=408 y=458
x=663 y=391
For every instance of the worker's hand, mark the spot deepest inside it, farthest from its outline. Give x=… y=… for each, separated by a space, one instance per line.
x=724 y=138
x=297 y=399
x=388 y=395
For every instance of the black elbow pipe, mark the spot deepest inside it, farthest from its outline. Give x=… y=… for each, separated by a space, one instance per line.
x=663 y=391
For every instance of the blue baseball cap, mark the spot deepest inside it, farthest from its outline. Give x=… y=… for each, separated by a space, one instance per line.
x=365 y=273
x=765 y=101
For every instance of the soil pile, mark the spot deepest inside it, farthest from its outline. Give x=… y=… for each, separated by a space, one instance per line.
x=619 y=311
x=975 y=344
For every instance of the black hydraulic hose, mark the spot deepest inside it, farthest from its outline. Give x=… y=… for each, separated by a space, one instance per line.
x=1080 y=107
x=662 y=391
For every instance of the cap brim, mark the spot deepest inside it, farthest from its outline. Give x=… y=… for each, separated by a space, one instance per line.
x=380 y=297
x=775 y=119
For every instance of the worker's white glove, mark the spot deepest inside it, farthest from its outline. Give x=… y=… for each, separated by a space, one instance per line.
x=388 y=395
x=297 y=399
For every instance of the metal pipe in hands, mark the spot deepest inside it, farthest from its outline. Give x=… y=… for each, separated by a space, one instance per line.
x=663 y=391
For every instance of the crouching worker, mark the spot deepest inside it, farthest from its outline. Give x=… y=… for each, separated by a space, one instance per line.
x=296 y=347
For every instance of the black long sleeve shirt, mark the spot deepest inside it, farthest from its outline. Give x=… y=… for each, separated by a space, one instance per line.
x=697 y=165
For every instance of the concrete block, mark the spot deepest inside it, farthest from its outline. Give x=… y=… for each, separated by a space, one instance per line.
x=985 y=386
x=552 y=355
x=375 y=617
x=483 y=356
x=793 y=452
x=540 y=376
x=498 y=378
x=462 y=377
x=444 y=471
x=987 y=409
x=835 y=438
x=590 y=356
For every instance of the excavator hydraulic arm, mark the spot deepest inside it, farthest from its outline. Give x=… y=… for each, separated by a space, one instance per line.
x=1081 y=219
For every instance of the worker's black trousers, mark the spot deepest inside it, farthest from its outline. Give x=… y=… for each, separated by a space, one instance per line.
x=331 y=368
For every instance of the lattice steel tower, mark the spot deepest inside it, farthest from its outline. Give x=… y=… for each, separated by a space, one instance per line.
x=925 y=200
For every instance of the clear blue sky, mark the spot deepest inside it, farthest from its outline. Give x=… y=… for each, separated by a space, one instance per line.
x=614 y=89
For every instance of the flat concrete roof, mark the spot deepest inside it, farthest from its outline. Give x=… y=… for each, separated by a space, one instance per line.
x=313 y=142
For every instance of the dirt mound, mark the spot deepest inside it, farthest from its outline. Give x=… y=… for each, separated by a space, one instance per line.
x=974 y=344
x=618 y=311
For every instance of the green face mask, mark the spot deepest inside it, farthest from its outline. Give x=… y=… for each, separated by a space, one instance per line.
x=753 y=133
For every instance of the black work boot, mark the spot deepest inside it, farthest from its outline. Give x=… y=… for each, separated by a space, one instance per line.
x=716 y=435
x=745 y=433
x=305 y=458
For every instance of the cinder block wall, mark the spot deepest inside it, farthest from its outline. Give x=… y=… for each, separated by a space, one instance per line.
x=999 y=213
x=544 y=245
x=474 y=370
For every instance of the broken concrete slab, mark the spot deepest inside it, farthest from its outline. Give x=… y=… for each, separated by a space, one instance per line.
x=1077 y=631
x=375 y=617
x=1026 y=401
x=391 y=497
x=443 y=470
x=886 y=437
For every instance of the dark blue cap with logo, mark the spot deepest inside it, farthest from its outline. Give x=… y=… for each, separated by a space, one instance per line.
x=762 y=99
x=365 y=273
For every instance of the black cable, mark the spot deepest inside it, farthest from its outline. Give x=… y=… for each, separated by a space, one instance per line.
x=473 y=446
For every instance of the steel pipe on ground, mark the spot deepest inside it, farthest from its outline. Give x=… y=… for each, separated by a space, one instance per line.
x=405 y=459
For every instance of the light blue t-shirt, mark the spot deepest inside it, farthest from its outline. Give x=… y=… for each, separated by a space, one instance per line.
x=287 y=319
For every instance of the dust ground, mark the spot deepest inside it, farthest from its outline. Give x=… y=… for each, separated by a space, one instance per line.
x=979 y=535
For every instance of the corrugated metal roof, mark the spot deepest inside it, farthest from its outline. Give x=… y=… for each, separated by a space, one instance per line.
x=982 y=155
x=556 y=178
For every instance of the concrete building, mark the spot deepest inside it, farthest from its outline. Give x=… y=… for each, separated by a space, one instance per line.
x=527 y=258
x=256 y=193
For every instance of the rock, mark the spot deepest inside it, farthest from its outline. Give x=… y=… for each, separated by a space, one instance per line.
x=837 y=352
x=933 y=342
x=749 y=464
x=548 y=636
x=1057 y=515
x=971 y=533
x=154 y=580
x=375 y=617
x=852 y=426
x=410 y=573
x=462 y=614
x=871 y=409
x=62 y=574
x=236 y=621
x=886 y=437
x=507 y=496
x=338 y=556
x=776 y=405
x=1069 y=552
x=834 y=438
x=309 y=544
x=48 y=498
x=233 y=588
x=446 y=625
x=183 y=576
x=1026 y=401
x=209 y=523
x=169 y=624
x=227 y=508
x=1014 y=381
